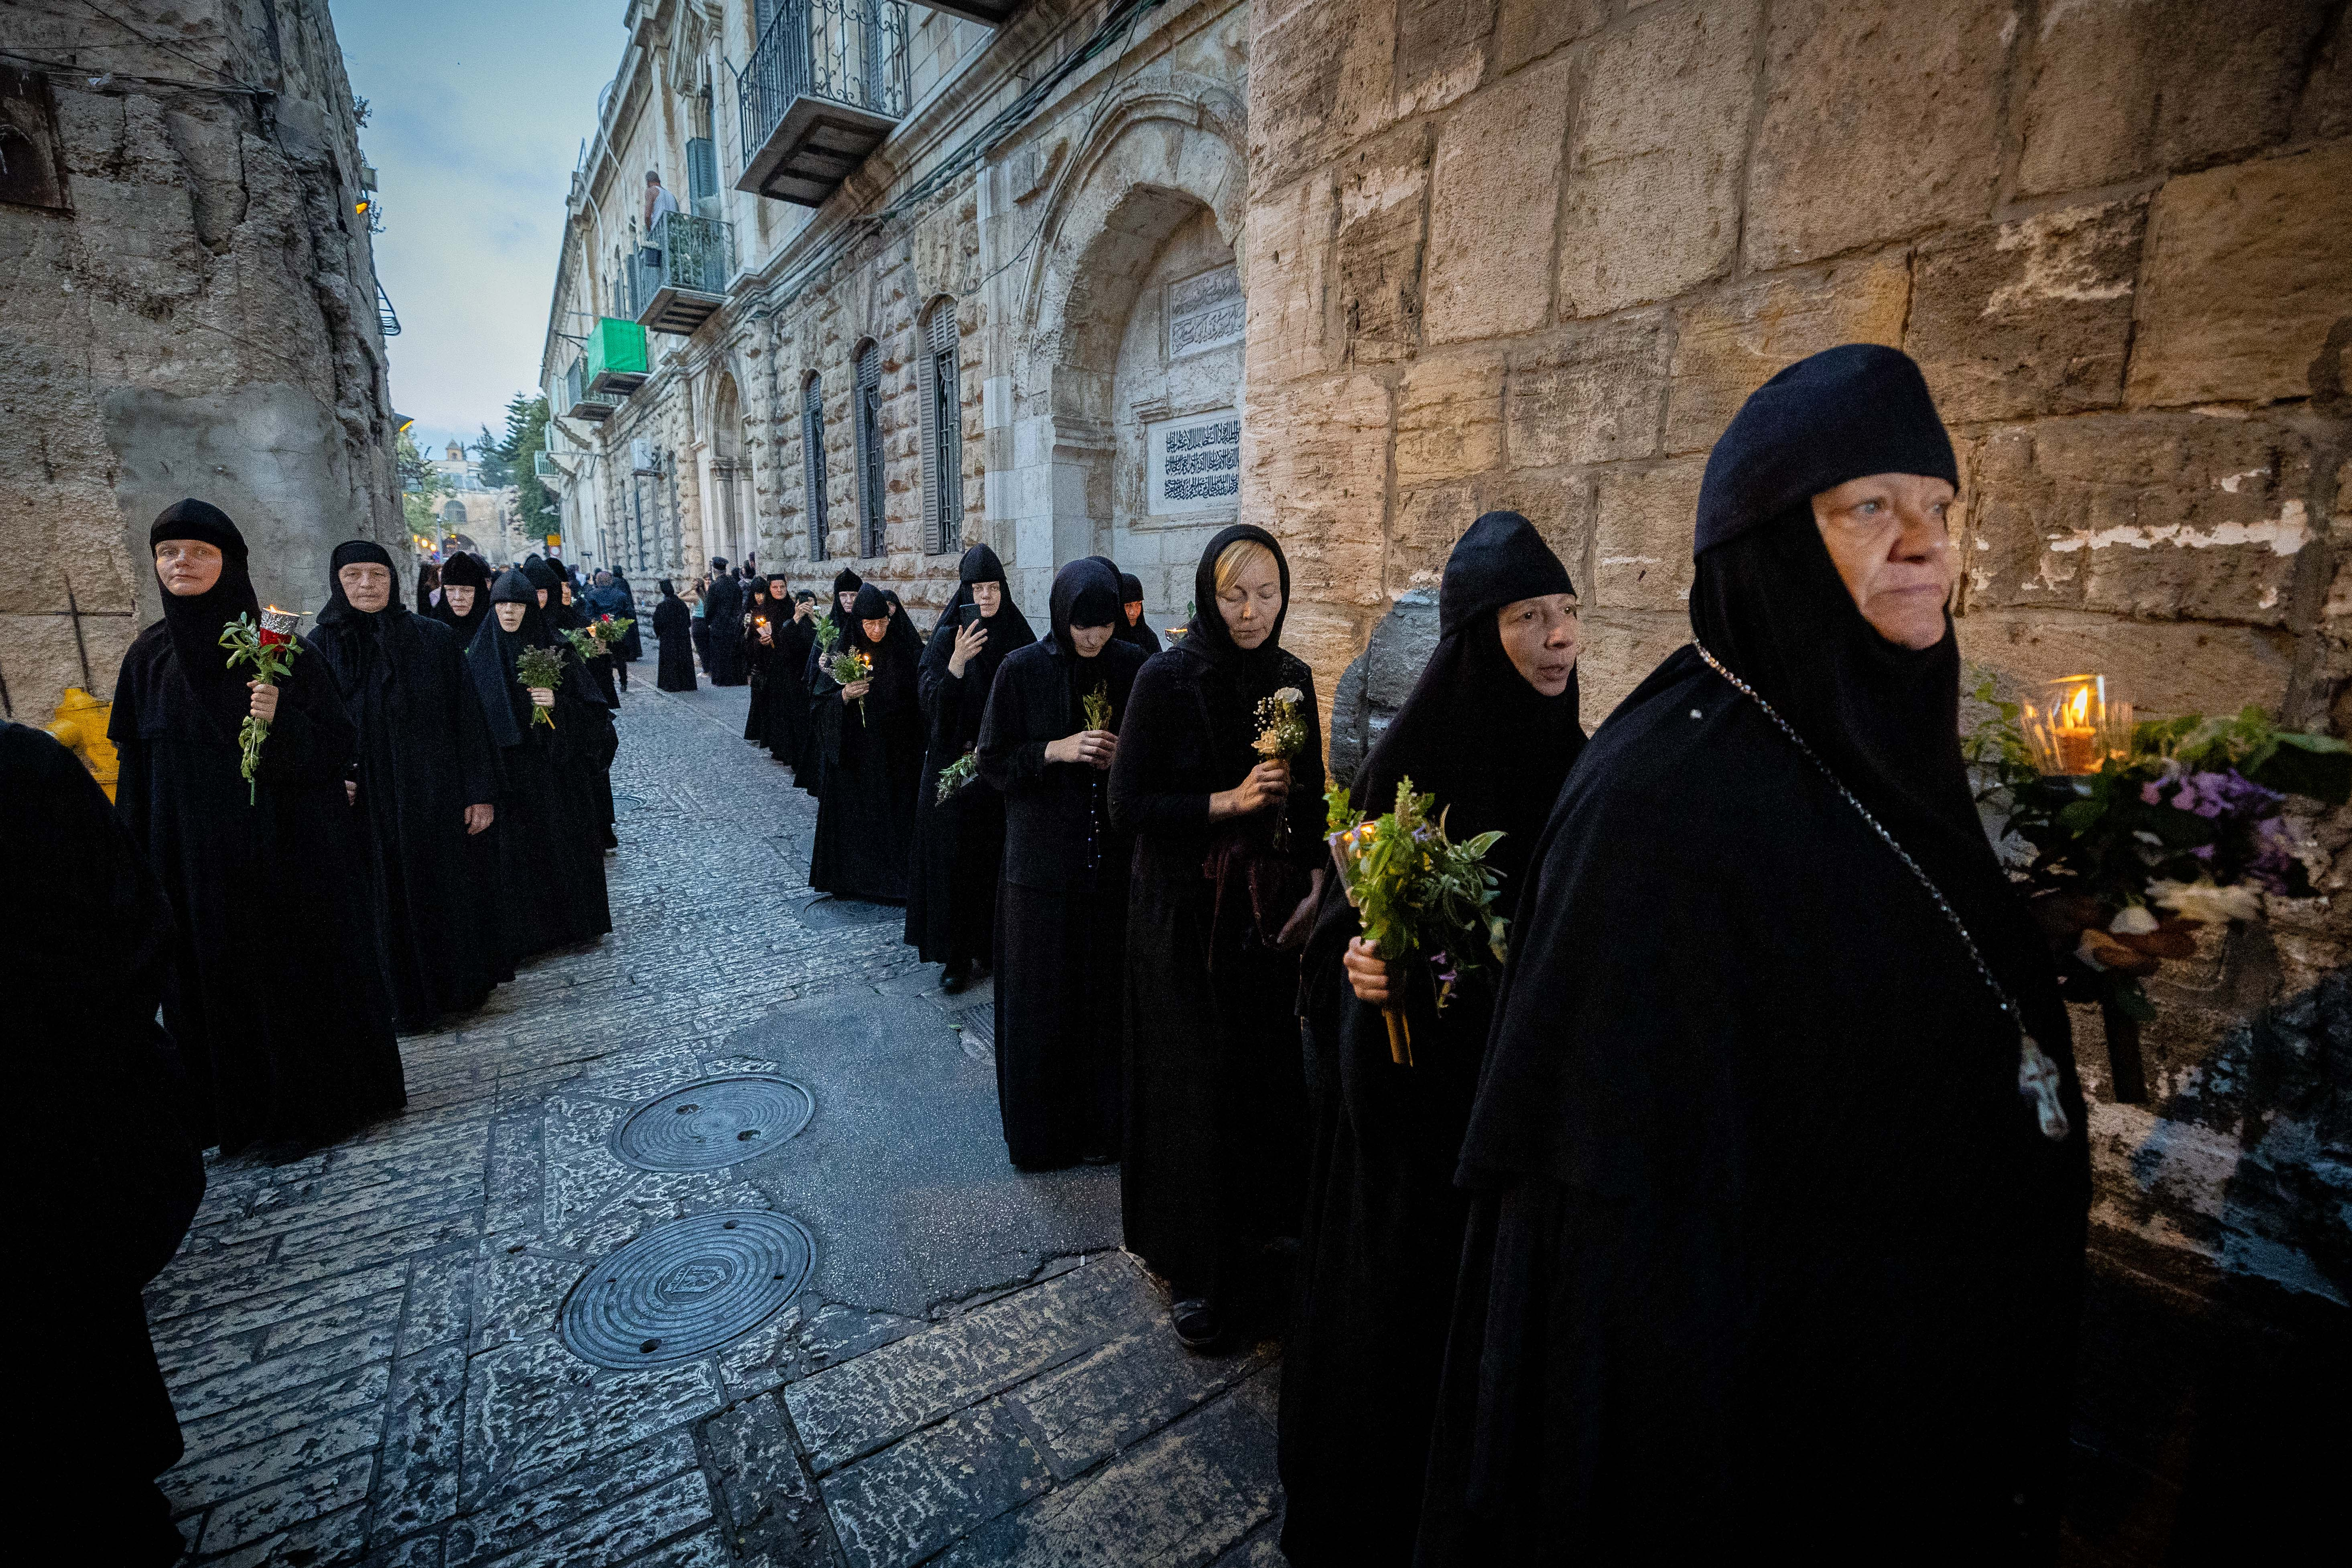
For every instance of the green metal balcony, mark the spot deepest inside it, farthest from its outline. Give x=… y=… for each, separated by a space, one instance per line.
x=616 y=359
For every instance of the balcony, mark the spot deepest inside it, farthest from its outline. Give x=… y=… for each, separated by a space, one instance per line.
x=987 y=13
x=544 y=467
x=680 y=280
x=578 y=402
x=616 y=357
x=826 y=84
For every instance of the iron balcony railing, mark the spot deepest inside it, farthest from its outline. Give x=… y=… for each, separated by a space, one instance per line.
x=543 y=466
x=852 y=52
x=688 y=254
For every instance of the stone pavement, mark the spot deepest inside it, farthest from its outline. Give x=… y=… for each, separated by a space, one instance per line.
x=363 y=1346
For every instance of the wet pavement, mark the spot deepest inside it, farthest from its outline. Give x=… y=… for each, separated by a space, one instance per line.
x=364 y=1346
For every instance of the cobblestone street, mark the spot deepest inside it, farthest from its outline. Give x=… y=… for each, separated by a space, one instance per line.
x=364 y=1346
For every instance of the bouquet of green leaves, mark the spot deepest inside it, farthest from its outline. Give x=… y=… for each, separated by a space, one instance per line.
x=1097 y=706
x=2188 y=828
x=828 y=635
x=599 y=637
x=539 y=667
x=957 y=774
x=1415 y=892
x=270 y=647
x=849 y=666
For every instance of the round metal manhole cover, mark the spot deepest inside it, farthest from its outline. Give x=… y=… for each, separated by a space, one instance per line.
x=686 y=1287
x=720 y=1121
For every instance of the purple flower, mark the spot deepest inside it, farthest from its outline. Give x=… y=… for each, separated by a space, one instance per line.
x=2151 y=792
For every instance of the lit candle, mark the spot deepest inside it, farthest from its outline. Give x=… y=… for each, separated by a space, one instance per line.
x=2077 y=726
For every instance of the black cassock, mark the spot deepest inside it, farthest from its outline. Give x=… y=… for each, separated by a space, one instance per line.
x=1061 y=915
x=96 y=1218
x=1383 y=1229
x=865 y=813
x=550 y=883
x=960 y=842
x=674 y=630
x=786 y=734
x=1214 y=1150
x=722 y=609
x=274 y=997
x=425 y=755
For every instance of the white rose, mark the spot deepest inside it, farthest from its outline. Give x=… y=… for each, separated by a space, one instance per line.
x=2132 y=919
x=2205 y=902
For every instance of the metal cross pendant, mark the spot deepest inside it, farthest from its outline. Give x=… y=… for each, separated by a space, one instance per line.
x=2037 y=1079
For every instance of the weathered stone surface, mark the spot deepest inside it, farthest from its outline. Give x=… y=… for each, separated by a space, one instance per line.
x=1319 y=79
x=197 y=1481
x=1383 y=191
x=1587 y=393
x=1731 y=344
x=520 y=1519
x=903 y=1504
x=2117 y=88
x=2031 y=317
x=1643 y=523
x=1621 y=646
x=2167 y=668
x=1836 y=165
x=1654 y=158
x=623 y=1529
x=768 y=1500
x=270 y=1378
x=295 y=1500
x=1449 y=416
x=2155 y=517
x=321 y=1541
x=424 y=1425
x=1494 y=192
x=2247 y=284
x=1529 y=29
x=1441 y=51
x=1112 y=1398
x=1427 y=523
x=1321 y=485
x=1290 y=283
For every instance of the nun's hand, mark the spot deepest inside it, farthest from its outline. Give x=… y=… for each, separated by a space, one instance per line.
x=1368 y=971
x=1301 y=923
x=1269 y=784
x=856 y=690
x=541 y=695
x=1094 y=748
x=350 y=792
x=968 y=641
x=264 y=701
x=479 y=816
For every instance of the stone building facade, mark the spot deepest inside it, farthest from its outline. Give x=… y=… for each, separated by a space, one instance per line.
x=188 y=307
x=1360 y=269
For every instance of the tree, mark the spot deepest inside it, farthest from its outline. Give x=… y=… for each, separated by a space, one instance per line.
x=492 y=462
x=526 y=437
x=421 y=491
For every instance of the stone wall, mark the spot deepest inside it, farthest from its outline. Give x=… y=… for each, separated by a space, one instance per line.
x=190 y=309
x=1534 y=253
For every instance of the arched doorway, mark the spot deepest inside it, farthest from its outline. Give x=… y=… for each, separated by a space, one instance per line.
x=730 y=512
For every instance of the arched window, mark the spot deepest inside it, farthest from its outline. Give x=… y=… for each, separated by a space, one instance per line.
x=865 y=409
x=940 y=385
x=812 y=454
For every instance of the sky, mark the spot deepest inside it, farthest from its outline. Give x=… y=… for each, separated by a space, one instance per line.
x=476 y=113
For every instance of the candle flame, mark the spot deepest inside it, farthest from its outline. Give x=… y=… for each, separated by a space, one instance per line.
x=2080 y=706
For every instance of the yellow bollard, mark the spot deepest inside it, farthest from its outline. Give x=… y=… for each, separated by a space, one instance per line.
x=81 y=727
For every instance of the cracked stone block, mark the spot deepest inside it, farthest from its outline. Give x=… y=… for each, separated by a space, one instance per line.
x=522 y=1291
x=708 y=1550
x=511 y=1523
x=175 y=1332
x=903 y=1504
x=362 y=1391
x=336 y=1490
x=514 y=1186
x=861 y=1404
x=623 y=1529
x=439 y=1304
x=194 y=1483
x=266 y=1379
x=804 y=1337
x=335 y=1323
x=1183 y=1496
x=1106 y=1401
x=767 y=1498
x=424 y=1426
x=535 y=1407
x=316 y=1257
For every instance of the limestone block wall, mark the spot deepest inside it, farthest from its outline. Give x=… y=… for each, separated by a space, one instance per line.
x=1534 y=253
x=187 y=307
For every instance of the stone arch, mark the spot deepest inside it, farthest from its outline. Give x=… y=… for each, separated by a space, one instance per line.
x=1167 y=161
x=730 y=515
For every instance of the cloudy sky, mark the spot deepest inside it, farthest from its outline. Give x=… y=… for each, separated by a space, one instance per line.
x=477 y=108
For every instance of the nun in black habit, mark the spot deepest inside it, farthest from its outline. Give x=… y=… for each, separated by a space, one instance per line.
x=550 y=881
x=757 y=642
x=787 y=735
x=425 y=787
x=873 y=759
x=1489 y=730
x=808 y=768
x=274 y=994
x=464 y=578
x=557 y=617
x=672 y=630
x=960 y=842
x=1132 y=628
x=95 y=1218
x=1061 y=915
x=722 y=609
x=1215 y=1141
x=1779 y=1154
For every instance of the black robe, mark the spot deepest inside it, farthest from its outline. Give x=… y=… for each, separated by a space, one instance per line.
x=960 y=842
x=672 y=630
x=789 y=725
x=1383 y=1219
x=425 y=755
x=1061 y=923
x=550 y=881
x=723 y=611
x=1213 y=1147
x=275 y=997
x=755 y=654
x=865 y=812
x=96 y=1218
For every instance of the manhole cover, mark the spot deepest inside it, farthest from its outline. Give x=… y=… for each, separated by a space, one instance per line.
x=720 y=1121
x=686 y=1287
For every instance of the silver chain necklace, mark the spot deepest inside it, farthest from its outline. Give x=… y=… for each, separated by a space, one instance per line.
x=2037 y=1075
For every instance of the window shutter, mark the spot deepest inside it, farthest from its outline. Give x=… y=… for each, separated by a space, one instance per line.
x=701 y=169
x=868 y=433
x=943 y=396
x=812 y=450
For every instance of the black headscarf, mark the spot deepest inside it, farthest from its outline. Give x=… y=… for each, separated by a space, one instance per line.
x=871 y=605
x=1130 y=591
x=195 y=622
x=1085 y=593
x=1208 y=637
x=903 y=641
x=844 y=581
x=464 y=571
x=1007 y=629
x=667 y=590
x=1492 y=749
x=491 y=658
x=340 y=612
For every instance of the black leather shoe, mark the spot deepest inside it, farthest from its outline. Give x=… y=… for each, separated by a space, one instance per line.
x=1198 y=1324
x=957 y=977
